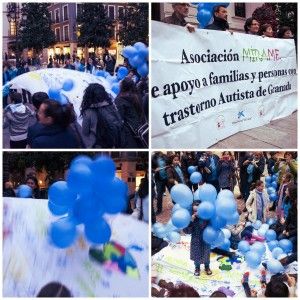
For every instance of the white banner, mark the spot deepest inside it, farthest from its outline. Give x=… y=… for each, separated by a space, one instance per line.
x=30 y=262
x=211 y=84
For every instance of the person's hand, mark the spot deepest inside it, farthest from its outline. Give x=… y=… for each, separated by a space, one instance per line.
x=176 y=182
x=284 y=232
x=282 y=221
x=291 y=281
x=287 y=233
x=194 y=216
x=231 y=32
x=190 y=27
x=157 y=169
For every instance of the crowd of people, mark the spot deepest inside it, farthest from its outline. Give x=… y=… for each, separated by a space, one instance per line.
x=244 y=174
x=106 y=122
x=220 y=14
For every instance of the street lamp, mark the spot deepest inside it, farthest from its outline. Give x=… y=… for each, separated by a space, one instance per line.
x=13 y=17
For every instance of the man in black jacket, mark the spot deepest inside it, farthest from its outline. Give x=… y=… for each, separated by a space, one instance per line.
x=220 y=19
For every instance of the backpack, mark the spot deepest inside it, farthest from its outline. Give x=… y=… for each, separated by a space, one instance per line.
x=110 y=127
x=141 y=133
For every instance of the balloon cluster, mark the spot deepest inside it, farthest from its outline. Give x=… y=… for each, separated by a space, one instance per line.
x=137 y=56
x=254 y=253
x=91 y=190
x=271 y=185
x=205 y=12
x=56 y=93
x=219 y=209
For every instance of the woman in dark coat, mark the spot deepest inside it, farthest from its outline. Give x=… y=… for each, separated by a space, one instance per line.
x=225 y=169
x=174 y=172
x=130 y=109
x=200 y=251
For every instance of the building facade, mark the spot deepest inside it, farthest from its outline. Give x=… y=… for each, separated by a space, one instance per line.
x=65 y=27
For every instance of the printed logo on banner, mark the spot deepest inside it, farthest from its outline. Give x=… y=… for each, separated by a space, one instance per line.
x=220 y=121
x=261 y=111
x=242 y=116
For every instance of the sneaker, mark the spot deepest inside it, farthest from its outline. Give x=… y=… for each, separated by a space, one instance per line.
x=197 y=272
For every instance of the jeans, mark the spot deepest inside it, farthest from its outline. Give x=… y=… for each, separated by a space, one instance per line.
x=197 y=265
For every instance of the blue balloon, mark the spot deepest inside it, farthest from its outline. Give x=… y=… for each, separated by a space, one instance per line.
x=63 y=100
x=274 y=266
x=271 y=190
x=234 y=219
x=103 y=169
x=175 y=207
x=210 y=234
x=60 y=194
x=113 y=196
x=192 y=169
x=100 y=73
x=182 y=194
x=139 y=46
x=225 y=245
x=218 y=222
x=257 y=224
x=143 y=70
x=181 y=218
x=24 y=191
x=57 y=210
x=196 y=177
x=205 y=210
x=271 y=221
x=86 y=209
x=79 y=178
x=272 y=245
x=98 y=231
x=63 y=232
x=203 y=17
x=219 y=240
x=196 y=195
x=157 y=226
x=227 y=233
x=143 y=53
x=270 y=235
x=262 y=232
x=129 y=51
x=225 y=207
x=243 y=247
x=207 y=192
x=82 y=159
x=274 y=184
x=224 y=194
x=68 y=85
x=276 y=252
x=170 y=227
x=268 y=179
x=259 y=247
x=273 y=197
x=122 y=73
x=54 y=94
x=286 y=245
x=173 y=237
x=274 y=177
x=116 y=88
x=136 y=61
x=253 y=259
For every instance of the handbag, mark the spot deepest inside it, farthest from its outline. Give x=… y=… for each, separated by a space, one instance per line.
x=141 y=133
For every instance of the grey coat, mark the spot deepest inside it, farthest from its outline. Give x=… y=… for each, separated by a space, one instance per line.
x=89 y=127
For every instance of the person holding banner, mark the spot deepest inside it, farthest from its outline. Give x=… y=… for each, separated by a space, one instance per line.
x=285 y=32
x=266 y=30
x=251 y=26
x=181 y=11
x=220 y=19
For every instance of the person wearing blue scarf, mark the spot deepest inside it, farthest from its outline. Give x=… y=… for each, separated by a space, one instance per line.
x=258 y=202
